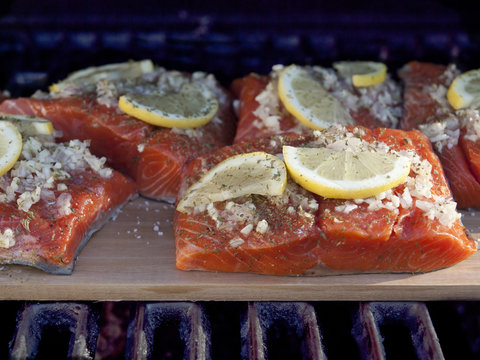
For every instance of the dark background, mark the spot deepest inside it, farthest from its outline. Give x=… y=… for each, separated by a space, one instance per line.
x=42 y=41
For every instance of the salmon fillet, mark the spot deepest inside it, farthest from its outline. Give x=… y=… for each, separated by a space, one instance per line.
x=48 y=230
x=403 y=239
x=426 y=107
x=152 y=156
x=411 y=228
x=261 y=113
x=288 y=249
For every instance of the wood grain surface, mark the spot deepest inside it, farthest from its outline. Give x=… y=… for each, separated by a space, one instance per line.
x=133 y=258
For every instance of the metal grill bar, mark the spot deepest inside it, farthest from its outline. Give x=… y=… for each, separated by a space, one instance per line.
x=414 y=316
x=78 y=319
x=192 y=325
x=262 y=317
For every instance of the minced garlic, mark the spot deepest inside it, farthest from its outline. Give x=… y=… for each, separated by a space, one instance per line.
x=270 y=110
x=247 y=229
x=446 y=133
x=417 y=186
x=262 y=226
x=41 y=164
x=236 y=242
x=383 y=100
x=7 y=239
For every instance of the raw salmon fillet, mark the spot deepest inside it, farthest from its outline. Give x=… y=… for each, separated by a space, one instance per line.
x=45 y=224
x=292 y=237
x=152 y=156
x=452 y=132
x=413 y=227
x=261 y=112
x=410 y=237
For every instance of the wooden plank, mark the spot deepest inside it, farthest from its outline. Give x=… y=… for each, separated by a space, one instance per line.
x=133 y=258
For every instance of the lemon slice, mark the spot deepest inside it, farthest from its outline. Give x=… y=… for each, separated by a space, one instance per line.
x=306 y=99
x=194 y=105
x=464 y=91
x=345 y=174
x=29 y=125
x=362 y=73
x=109 y=72
x=252 y=173
x=10 y=146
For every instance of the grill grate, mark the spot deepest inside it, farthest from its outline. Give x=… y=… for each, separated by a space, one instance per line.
x=413 y=317
x=36 y=320
x=241 y=330
x=162 y=320
x=288 y=330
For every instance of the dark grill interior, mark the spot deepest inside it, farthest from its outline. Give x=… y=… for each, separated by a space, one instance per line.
x=42 y=42
x=241 y=330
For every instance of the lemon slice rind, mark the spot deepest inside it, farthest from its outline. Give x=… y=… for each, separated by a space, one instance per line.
x=344 y=174
x=109 y=72
x=362 y=73
x=306 y=99
x=10 y=146
x=252 y=173
x=29 y=125
x=464 y=91
x=193 y=106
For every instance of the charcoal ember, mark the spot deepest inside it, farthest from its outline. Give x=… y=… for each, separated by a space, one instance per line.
x=113 y=330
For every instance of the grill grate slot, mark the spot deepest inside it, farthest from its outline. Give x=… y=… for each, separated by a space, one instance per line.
x=156 y=318
x=8 y=312
x=297 y=323
x=240 y=330
x=414 y=317
x=37 y=322
x=458 y=327
x=335 y=319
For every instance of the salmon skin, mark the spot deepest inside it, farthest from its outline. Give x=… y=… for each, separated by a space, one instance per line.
x=411 y=228
x=261 y=112
x=451 y=132
x=152 y=156
x=48 y=230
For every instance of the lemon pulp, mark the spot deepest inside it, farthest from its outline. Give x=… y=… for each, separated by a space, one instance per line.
x=345 y=174
x=306 y=99
x=362 y=73
x=109 y=72
x=464 y=91
x=10 y=146
x=251 y=173
x=29 y=125
x=194 y=105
